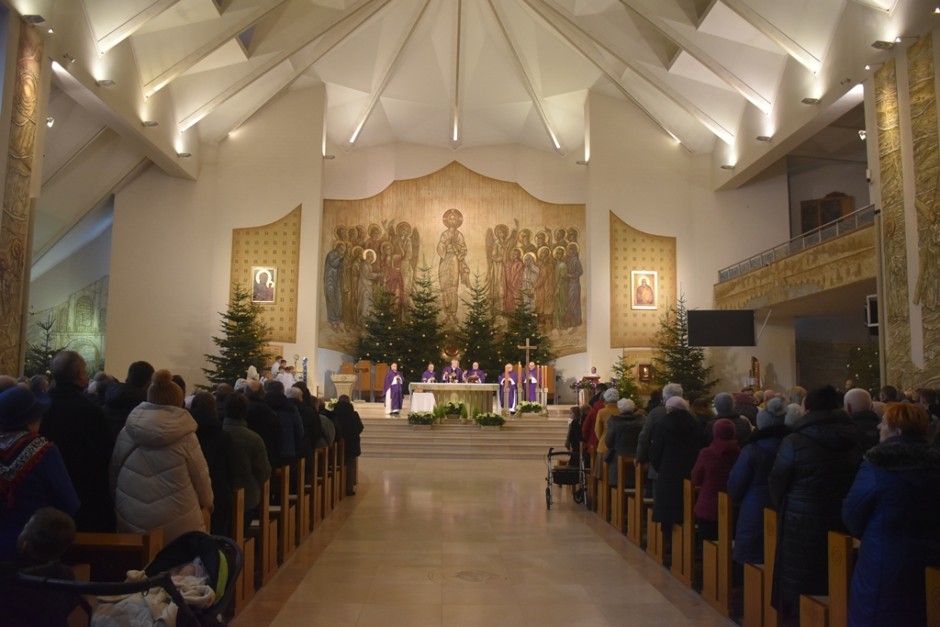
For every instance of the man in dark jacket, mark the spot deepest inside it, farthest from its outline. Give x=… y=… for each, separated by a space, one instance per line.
x=724 y=408
x=351 y=424
x=857 y=404
x=812 y=473
x=80 y=430
x=313 y=429
x=121 y=398
x=262 y=420
x=292 y=429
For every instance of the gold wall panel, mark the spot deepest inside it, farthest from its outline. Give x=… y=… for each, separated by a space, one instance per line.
x=633 y=250
x=278 y=245
x=461 y=225
x=834 y=263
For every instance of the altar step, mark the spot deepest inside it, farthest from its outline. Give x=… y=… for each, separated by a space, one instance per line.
x=518 y=439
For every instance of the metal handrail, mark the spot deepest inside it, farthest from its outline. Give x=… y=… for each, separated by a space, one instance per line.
x=840 y=226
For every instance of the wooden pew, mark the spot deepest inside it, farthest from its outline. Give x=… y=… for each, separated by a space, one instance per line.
x=265 y=536
x=78 y=617
x=758 y=580
x=283 y=514
x=716 y=560
x=590 y=478
x=325 y=485
x=683 y=538
x=637 y=504
x=603 y=492
x=832 y=610
x=339 y=471
x=932 y=586
x=655 y=548
x=299 y=502
x=618 y=505
x=110 y=555
x=245 y=586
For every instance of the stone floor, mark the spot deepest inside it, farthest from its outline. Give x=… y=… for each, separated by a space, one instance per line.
x=458 y=543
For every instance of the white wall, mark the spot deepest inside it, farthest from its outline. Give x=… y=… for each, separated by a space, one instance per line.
x=171 y=251
x=825 y=178
x=83 y=268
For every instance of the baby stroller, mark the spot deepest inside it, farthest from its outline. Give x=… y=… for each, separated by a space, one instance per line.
x=220 y=556
x=564 y=476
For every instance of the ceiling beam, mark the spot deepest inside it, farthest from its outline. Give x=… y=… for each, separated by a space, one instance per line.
x=458 y=33
x=128 y=27
x=387 y=74
x=164 y=78
x=526 y=80
x=729 y=77
x=285 y=53
x=579 y=37
x=769 y=30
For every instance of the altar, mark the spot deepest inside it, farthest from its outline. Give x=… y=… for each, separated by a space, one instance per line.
x=477 y=397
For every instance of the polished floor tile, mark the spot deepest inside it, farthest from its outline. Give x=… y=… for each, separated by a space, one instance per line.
x=448 y=543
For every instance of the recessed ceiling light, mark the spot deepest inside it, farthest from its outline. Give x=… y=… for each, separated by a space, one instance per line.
x=810 y=101
x=727 y=166
x=50 y=121
x=869 y=66
x=763 y=138
x=149 y=123
x=50 y=31
x=105 y=82
x=882 y=44
x=862 y=134
x=184 y=155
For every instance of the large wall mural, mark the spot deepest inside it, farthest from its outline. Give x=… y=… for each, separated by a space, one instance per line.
x=78 y=324
x=464 y=227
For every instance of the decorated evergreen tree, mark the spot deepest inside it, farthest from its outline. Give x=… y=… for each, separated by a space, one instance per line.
x=522 y=323
x=675 y=360
x=626 y=380
x=478 y=335
x=383 y=334
x=424 y=334
x=39 y=355
x=243 y=342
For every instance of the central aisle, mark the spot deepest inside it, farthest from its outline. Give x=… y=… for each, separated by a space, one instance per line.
x=459 y=543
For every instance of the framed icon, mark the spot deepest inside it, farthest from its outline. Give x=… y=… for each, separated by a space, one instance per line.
x=263 y=284
x=643 y=283
x=644 y=373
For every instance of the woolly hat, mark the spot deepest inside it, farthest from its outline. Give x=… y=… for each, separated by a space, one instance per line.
x=626 y=406
x=19 y=407
x=773 y=414
x=723 y=429
x=163 y=391
x=724 y=404
x=611 y=395
x=677 y=402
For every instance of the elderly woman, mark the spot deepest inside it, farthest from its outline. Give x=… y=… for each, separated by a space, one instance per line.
x=158 y=473
x=710 y=473
x=747 y=484
x=623 y=433
x=893 y=507
x=676 y=441
x=32 y=472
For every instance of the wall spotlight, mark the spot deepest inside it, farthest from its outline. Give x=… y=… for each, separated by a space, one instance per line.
x=882 y=44
x=810 y=101
x=869 y=66
x=184 y=155
x=149 y=123
x=763 y=138
x=581 y=162
x=34 y=19
x=50 y=121
x=329 y=157
x=727 y=166
x=105 y=82
x=862 y=134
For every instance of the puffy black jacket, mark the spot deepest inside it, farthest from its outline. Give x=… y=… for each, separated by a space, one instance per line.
x=677 y=439
x=813 y=472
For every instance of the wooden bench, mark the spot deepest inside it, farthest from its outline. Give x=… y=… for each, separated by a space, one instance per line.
x=832 y=610
x=299 y=502
x=683 y=538
x=245 y=586
x=264 y=532
x=283 y=514
x=603 y=492
x=589 y=477
x=637 y=506
x=758 y=580
x=618 y=505
x=110 y=555
x=716 y=560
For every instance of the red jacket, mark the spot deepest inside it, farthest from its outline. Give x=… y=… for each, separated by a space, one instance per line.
x=587 y=426
x=710 y=473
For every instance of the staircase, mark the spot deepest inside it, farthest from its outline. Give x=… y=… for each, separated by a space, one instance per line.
x=525 y=438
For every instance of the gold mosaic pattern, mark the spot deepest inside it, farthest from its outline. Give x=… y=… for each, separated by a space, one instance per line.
x=631 y=249
x=276 y=244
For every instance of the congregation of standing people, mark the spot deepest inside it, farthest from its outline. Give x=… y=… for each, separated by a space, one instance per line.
x=857 y=462
x=140 y=455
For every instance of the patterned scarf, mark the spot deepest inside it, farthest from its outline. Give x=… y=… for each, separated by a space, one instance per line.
x=20 y=451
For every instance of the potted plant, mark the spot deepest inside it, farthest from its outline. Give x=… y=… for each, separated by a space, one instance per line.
x=421 y=419
x=489 y=420
x=330 y=404
x=528 y=407
x=454 y=409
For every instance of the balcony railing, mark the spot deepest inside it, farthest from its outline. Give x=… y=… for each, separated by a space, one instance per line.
x=846 y=224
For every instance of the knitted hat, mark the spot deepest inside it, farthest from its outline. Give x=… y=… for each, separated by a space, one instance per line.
x=773 y=414
x=677 y=402
x=163 y=391
x=723 y=429
x=19 y=407
x=626 y=406
x=611 y=395
x=724 y=404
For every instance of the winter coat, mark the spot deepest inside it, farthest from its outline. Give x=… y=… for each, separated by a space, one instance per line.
x=894 y=509
x=814 y=469
x=747 y=486
x=587 y=425
x=351 y=425
x=219 y=450
x=262 y=420
x=742 y=429
x=622 y=435
x=292 y=429
x=80 y=430
x=710 y=473
x=119 y=400
x=600 y=424
x=866 y=424
x=644 y=444
x=158 y=473
x=676 y=441
x=250 y=464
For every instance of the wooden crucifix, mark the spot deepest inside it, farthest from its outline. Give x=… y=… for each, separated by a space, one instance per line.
x=527 y=348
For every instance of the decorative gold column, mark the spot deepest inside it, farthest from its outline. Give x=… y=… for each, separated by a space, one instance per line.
x=14 y=227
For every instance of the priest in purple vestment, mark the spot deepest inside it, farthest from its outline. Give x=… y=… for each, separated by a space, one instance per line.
x=393 y=390
x=531 y=382
x=508 y=379
x=474 y=375
x=452 y=373
x=429 y=375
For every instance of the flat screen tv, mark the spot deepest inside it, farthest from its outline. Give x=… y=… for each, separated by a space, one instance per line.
x=712 y=327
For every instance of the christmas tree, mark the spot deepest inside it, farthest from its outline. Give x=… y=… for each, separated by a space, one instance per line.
x=676 y=361
x=478 y=335
x=243 y=342
x=522 y=323
x=626 y=380
x=39 y=356
x=383 y=333
x=424 y=334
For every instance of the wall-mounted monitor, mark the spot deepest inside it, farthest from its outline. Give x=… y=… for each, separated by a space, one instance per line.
x=714 y=327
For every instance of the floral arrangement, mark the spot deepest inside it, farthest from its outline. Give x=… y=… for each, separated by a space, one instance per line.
x=583 y=384
x=489 y=419
x=528 y=407
x=421 y=418
x=330 y=404
x=454 y=407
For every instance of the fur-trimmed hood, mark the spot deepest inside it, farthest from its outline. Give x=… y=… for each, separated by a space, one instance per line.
x=904 y=453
